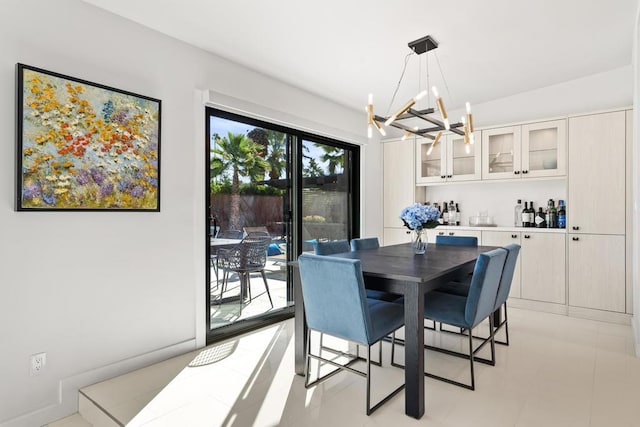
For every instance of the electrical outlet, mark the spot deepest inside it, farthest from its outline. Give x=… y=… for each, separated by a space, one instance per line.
x=38 y=361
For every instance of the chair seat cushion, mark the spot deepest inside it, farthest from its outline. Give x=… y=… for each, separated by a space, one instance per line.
x=446 y=308
x=386 y=317
x=273 y=250
x=381 y=295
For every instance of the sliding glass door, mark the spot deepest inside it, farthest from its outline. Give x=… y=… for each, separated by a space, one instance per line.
x=268 y=182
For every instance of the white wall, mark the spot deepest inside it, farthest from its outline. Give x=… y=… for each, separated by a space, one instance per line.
x=102 y=292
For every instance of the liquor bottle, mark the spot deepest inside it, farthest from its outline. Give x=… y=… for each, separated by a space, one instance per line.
x=445 y=214
x=457 y=215
x=517 y=219
x=452 y=213
x=525 y=215
x=532 y=215
x=541 y=219
x=562 y=215
x=552 y=215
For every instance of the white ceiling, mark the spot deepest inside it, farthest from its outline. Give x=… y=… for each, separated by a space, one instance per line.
x=343 y=50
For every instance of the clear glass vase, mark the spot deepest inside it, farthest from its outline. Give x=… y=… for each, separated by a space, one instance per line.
x=419 y=242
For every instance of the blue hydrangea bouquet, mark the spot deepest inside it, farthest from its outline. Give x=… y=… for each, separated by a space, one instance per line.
x=418 y=217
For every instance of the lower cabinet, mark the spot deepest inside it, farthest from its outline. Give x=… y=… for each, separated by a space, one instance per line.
x=542 y=267
x=503 y=238
x=597 y=271
x=395 y=236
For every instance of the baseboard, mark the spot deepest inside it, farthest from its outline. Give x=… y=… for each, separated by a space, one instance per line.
x=636 y=334
x=600 y=315
x=546 y=307
x=69 y=387
x=580 y=312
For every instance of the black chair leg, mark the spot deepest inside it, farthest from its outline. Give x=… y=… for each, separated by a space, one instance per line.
x=266 y=285
x=473 y=379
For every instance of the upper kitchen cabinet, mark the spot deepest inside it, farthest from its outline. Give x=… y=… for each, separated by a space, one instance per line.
x=596 y=196
x=531 y=150
x=450 y=160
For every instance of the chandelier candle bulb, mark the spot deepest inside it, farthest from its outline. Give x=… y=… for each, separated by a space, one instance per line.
x=433 y=144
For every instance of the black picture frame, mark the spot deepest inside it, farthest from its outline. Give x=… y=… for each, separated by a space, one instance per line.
x=84 y=146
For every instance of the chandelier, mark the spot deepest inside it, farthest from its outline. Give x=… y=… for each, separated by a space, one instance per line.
x=429 y=125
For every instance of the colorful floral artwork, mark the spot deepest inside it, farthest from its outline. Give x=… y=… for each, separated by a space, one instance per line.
x=84 y=146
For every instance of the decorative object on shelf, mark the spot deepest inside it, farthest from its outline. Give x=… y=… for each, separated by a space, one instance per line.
x=418 y=217
x=407 y=112
x=83 y=146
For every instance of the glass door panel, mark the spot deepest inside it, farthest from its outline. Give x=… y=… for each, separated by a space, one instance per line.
x=431 y=162
x=464 y=165
x=544 y=148
x=501 y=152
x=326 y=200
x=249 y=195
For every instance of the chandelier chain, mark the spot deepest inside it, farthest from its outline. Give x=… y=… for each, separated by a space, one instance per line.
x=404 y=68
x=444 y=80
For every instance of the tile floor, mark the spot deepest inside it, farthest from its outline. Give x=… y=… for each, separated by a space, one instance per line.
x=558 y=371
x=229 y=311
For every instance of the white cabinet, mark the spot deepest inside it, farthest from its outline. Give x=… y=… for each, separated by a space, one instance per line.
x=597 y=271
x=450 y=160
x=395 y=236
x=441 y=231
x=596 y=196
x=503 y=238
x=530 y=150
x=542 y=267
x=398 y=188
x=596 y=212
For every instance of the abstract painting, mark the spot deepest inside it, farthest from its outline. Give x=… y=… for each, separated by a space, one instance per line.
x=83 y=146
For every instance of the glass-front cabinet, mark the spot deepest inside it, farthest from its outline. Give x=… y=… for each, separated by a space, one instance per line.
x=531 y=150
x=449 y=160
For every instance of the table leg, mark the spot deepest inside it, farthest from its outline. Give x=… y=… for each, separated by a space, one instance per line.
x=414 y=351
x=300 y=324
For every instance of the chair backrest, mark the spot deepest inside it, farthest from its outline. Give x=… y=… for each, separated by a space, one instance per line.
x=230 y=234
x=256 y=231
x=331 y=247
x=457 y=240
x=365 y=243
x=251 y=253
x=507 y=274
x=334 y=296
x=484 y=285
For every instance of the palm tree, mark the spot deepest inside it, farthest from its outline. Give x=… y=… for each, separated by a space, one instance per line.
x=334 y=156
x=239 y=154
x=276 y=158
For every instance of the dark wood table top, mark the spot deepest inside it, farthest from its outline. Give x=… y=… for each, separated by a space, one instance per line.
x=398 y=262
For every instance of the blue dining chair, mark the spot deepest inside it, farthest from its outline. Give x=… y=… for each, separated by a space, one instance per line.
x=457 y=240
x=331 y=247
x=468 y=312
x=364 y=243
x=335 y=303
x=462 y=289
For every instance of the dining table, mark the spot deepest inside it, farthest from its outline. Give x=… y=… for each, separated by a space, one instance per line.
x=398 y=270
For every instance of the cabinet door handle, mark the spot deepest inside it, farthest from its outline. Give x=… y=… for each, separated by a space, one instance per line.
x=575 y=239
x=449 y=176
x=513 y=236
x=575 y=228
x=526 y=236
x=442 y=176
x=516 y=172
x=525 y=171
x=451 y=233
x=441 y=233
